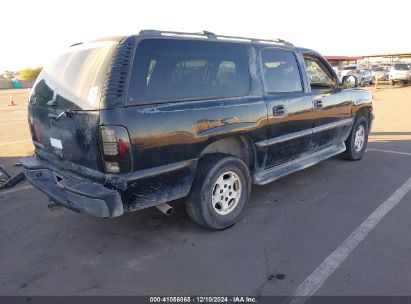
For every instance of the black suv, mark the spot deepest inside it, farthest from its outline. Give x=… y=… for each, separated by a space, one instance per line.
x=125 y=123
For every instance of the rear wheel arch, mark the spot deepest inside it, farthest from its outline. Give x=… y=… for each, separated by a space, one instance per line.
x=241 y=147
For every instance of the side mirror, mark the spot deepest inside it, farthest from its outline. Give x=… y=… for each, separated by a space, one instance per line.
x=349 y=82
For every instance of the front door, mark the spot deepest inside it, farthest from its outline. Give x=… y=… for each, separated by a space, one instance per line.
x=332 y=106
x=289 y=106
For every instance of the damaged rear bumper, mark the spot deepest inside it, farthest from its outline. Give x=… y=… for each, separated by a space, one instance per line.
x=72 y=191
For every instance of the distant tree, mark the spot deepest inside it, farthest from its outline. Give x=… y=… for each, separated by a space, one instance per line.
x=29 y=73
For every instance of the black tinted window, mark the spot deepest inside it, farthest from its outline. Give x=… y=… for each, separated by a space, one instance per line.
x=349 y=68
x=281 y=72
x=401 y=67
x=179 y=69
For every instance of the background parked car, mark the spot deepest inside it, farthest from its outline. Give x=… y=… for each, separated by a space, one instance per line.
x=365 y=77
x=400 y=72
x=362 y=75
x=381 y=73
x=349 y=70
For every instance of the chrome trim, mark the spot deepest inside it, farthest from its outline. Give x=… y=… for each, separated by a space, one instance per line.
x=295 y=135
x=283 y=138
x=341 y=123
x=227 y=129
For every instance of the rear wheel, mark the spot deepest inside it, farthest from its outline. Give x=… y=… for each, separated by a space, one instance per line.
x=392 y=82
x=357 y=141
x=220 y=191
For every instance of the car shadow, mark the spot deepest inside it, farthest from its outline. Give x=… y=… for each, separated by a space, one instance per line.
x=148 y=220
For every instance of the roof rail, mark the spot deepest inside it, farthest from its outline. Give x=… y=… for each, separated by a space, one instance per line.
x=211 y=35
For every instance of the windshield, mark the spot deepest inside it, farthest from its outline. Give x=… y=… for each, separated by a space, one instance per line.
x=349 y=68
x=378 y=70
x=401 y=67
x=74 y=79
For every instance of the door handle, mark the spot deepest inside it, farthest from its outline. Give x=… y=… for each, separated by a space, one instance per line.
x=318 y=104
x=279 y=110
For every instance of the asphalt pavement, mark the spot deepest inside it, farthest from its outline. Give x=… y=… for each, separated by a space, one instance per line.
x=290 y=228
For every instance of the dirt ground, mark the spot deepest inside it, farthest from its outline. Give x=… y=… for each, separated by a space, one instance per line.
x=15 y=139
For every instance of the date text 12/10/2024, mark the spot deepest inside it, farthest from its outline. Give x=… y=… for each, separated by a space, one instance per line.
x=204 y=299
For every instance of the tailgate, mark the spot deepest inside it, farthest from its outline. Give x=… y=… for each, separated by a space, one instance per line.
x=65 y=102
x=73 y=138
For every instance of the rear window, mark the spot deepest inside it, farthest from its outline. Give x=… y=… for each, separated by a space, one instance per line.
x=74 y=79
x=166 y=69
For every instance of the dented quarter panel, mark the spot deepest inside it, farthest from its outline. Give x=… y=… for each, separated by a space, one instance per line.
x=176 y=132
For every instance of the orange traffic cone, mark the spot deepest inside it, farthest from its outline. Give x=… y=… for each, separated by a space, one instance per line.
x=11 y=103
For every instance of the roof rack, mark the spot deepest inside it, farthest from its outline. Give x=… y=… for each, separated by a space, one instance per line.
x=211 y=35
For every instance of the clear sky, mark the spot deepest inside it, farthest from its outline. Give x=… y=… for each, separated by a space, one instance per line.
x=33 y=31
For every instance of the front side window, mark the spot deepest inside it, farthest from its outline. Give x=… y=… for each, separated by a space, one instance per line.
x=281 y=73
x=170 y=69
x=318 y=74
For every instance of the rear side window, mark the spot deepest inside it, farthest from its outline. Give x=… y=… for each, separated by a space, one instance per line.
x=281 y=73
x=184 y=69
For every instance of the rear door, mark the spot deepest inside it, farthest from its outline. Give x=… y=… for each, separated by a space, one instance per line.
x=289 y=106
x=332 y=106
x=64 y=105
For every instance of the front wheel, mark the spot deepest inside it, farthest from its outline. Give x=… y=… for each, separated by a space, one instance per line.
x=220 y=191
x=356 y=142
x=362 y=82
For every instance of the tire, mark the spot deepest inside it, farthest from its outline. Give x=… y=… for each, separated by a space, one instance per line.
x=392 y=82
x=362 y=82
x=215 y=173
x=355 y=151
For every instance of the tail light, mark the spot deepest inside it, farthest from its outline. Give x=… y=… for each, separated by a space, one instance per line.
x=116 y=149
